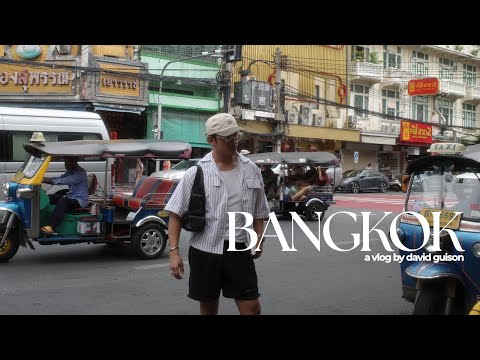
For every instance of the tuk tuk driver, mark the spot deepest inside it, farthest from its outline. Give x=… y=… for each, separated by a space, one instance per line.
x=77 y=197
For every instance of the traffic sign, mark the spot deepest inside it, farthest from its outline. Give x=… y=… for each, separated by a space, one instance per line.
x=355 y=157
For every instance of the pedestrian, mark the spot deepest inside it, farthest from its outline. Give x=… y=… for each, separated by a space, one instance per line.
x=166 y=165
x=139 y=169
x=369 y=167
x=232 y=183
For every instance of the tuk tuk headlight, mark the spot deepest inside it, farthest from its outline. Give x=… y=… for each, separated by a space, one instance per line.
x=5 y=188
x=476 y=249
x=24 y=193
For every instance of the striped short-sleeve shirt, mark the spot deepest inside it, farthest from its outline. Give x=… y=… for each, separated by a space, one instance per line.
x=254 y=200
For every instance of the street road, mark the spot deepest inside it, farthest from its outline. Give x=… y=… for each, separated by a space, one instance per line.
x=94 y=279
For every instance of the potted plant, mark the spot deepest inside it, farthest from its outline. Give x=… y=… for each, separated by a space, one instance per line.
x=374 y=59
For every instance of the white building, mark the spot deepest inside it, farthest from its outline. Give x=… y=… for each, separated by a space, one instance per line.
x=377 y=79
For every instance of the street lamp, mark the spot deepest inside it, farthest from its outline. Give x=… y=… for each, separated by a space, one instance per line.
x=158 y=130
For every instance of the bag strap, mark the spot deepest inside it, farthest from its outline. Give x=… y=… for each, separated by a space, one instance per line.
x=198 y=188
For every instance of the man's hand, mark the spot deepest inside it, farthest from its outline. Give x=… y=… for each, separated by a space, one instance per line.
x=176 y=264
x=257 y=253
x=47 y=180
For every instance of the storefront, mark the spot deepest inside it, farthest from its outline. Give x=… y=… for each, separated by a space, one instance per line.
x=415 y=139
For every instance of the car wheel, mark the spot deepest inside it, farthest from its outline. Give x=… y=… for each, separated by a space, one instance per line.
x=383 y=187
x=355 y=188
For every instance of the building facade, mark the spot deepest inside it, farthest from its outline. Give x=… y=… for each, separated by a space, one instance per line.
x=313 y=79
x=97 y=78
x=393 y=118
x=189 y=92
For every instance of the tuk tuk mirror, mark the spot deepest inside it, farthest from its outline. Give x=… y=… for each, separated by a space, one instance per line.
x=405 y=181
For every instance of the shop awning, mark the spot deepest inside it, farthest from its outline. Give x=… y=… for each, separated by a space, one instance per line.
x=119 y=108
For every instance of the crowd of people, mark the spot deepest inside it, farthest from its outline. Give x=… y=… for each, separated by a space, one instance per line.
x=297 y=185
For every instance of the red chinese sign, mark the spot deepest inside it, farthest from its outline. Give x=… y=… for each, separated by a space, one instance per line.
x=415 y=132
x=429 y=86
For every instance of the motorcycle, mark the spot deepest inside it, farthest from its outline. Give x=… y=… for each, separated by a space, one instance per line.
x=395 y=184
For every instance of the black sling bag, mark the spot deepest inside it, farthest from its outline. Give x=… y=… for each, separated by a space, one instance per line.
x=194 y=219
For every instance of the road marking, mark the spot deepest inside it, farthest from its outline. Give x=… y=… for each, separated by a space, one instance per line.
x=155 y=266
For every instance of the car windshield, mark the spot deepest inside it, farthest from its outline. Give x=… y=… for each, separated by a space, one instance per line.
x=353 y=173
x=449 y=190
x=185 y=164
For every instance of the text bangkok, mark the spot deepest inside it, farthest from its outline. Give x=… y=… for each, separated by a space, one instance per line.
x=362 y=238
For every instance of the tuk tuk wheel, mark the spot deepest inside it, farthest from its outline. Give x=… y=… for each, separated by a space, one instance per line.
x=429 y=301
x=9 y=249
x=149 y=241
x=312 y=209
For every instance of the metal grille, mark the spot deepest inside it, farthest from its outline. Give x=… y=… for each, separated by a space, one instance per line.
x=181 y=51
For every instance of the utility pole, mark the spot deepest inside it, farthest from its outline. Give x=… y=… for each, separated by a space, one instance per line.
x=278 y=97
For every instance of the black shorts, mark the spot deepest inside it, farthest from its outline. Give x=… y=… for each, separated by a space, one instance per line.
x=233 y=272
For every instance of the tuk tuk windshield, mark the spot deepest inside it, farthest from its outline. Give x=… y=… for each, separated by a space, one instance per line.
x=446 y=189
x=30 y=167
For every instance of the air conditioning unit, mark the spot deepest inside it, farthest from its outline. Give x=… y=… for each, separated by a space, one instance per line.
x=319 y=120
x=292 y=117
x=395 y=129
x=63 y=49
x=306 y=115
x=353 y=119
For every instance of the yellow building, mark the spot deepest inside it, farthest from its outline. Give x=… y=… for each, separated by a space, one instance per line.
x=314 y=78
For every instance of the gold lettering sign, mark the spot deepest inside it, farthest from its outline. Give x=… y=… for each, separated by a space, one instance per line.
x=22 y=79
x=117 y=84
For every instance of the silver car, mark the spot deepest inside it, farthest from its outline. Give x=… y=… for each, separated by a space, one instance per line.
x=177 y=171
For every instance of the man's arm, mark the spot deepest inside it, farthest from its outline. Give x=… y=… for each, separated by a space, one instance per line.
x=176 y=262
x=70 y=178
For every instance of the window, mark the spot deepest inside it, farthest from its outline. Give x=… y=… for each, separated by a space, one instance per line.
x=420 y=63
x=469 y=75
x=446 y=108
x=420 y=108
x=11 y=142
x=360 y=53
x=446 y=69
x=468 y=115
x=392 y=59
x=360 y=99
x=390 y=102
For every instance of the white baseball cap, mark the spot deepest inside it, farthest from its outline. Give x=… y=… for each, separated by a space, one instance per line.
x=222 y=124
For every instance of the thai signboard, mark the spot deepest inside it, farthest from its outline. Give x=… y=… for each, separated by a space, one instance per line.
x=415 y=132
x=428 y=86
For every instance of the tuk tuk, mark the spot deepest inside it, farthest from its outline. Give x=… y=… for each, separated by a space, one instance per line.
x=317 y=201
x=443 y=275
x=136 y=219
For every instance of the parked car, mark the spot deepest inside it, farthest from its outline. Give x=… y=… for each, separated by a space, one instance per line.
x=360 y=180
x=177 y=171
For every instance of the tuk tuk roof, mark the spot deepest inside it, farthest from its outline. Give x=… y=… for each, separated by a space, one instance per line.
x=316 y=157
x=473 y=152
x=114 y=148
x=469 y=160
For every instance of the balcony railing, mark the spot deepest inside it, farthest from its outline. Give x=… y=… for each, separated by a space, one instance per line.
x=473 y=93
x=452 y=89
x=366 y=72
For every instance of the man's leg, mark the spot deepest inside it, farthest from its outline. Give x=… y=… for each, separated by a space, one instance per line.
x=209 y=307
x=248 y=307
x=205 y=279
x=64 y=205
x=240 y=280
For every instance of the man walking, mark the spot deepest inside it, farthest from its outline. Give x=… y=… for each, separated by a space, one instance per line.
x=232 y=183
